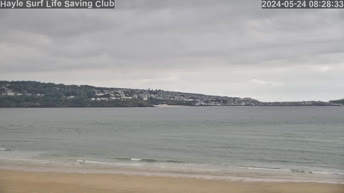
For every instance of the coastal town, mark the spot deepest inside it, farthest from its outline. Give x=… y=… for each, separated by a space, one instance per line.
x=36 y=93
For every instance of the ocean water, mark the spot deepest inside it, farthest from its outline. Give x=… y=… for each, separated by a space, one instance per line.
x=290 y=141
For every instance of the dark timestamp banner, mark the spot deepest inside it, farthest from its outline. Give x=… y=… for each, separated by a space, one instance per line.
x=57 y=4
x=302 y=4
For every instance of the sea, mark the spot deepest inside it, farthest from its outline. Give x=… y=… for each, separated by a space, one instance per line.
x=257 y=143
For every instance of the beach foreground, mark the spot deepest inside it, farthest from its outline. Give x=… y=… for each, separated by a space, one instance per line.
x=44 y=182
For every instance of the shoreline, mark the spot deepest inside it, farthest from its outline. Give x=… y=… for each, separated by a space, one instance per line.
x=172 y=171
x=160 y=106
x=41 y=182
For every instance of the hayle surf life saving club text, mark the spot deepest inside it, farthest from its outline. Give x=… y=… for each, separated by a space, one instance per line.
x=54 y=4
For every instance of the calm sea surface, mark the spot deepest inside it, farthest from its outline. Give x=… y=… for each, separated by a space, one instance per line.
x=298 y=139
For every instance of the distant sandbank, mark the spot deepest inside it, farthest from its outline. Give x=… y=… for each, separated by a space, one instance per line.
x=166 y=105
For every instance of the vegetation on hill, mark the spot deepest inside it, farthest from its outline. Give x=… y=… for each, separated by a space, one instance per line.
x=341 y=101
x=36 y=94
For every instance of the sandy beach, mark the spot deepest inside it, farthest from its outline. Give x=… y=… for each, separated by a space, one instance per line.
x=49 y=182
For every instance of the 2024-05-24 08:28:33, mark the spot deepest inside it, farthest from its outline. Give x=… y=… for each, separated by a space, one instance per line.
x=312 y=4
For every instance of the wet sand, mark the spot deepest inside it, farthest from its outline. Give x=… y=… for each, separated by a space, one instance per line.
x=50 y=182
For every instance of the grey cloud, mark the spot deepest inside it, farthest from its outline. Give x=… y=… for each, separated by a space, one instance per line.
x=185 y=40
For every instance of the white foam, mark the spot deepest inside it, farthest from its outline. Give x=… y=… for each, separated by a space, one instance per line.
x=135 y=159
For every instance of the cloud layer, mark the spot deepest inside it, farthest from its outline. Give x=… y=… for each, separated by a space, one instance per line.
x=222 y=47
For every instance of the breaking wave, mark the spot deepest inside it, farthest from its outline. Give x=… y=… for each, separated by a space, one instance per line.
x=148 y=160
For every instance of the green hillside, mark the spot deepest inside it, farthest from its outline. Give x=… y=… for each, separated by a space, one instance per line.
x=338 y=101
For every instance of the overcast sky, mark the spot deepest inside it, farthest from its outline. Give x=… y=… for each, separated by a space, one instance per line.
x=220 y=47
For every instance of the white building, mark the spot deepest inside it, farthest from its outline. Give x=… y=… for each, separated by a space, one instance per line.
x=10 y=93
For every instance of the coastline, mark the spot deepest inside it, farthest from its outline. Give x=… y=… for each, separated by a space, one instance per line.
x=41 y=182
x=162 y=106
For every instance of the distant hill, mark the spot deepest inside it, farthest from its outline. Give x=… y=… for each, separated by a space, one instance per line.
x=338 y=101
x=38 y=94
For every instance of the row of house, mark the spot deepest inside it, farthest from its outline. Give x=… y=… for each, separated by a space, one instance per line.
x=197 y=99
x=123 y=94
x=9 y=92
x=107 y=94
